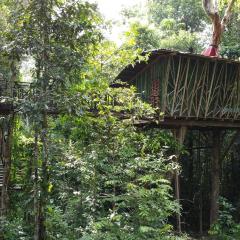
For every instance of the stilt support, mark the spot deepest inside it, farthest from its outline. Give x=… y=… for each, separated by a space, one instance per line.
x=215 y=176
x=179 y=135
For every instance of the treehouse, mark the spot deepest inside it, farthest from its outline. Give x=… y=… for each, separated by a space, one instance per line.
x=190 y=90
x=193 y=92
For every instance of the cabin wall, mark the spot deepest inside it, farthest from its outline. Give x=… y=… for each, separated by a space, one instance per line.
x=188 y=87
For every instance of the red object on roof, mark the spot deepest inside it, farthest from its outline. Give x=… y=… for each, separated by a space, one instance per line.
x=211 y=51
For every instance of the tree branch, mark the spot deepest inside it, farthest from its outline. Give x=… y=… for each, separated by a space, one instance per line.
x=227 y=14
x=209 y=8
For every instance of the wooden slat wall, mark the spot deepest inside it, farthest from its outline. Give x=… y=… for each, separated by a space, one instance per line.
x=193 y=87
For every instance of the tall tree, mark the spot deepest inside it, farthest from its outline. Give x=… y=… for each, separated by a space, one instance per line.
x=59 y=36
x=219 y=25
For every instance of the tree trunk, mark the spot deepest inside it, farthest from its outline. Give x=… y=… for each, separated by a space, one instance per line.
x=6 y=156
x=45 y=7
x=215 y=177
x=201 y=168
x=179 y=135
x=219 y=25
x=44 y=181
x=36 y=189
x=217 y=31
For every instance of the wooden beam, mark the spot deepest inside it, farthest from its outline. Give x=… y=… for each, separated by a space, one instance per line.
x=193 y=123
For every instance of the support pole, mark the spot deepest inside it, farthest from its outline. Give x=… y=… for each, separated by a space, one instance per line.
x=179 y=135
x=215 y=176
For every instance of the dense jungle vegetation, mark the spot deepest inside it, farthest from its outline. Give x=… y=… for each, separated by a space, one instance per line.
x=78 y=170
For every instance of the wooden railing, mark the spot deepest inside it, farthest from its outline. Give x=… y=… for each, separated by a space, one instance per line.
x=21 y=89
x=14 y=90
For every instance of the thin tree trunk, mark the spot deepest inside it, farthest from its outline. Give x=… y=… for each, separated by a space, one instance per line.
x=45 y=178
x=177 y=196
x=7 y=131
x=201 y=185
x=217 y=31
x=219 y=26
x=44 y=28
x=179 y=135
x=36 y=189
x=215 y=177
x=7 y=144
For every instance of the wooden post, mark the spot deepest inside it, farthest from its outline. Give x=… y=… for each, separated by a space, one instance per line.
x=215 y=176
x=179 y=135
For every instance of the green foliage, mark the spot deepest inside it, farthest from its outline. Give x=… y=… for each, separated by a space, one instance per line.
x=225 y=228
x=179 y=25
x=169 y=36
x=142 y=36
x=171 y=25
x=57 y=226
x=121 y=181
x=123 y=187
x=189 y=12
x=14 y=229
x=181 y=40
x=99 y=177
x=230 y=45
x=108 y=180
